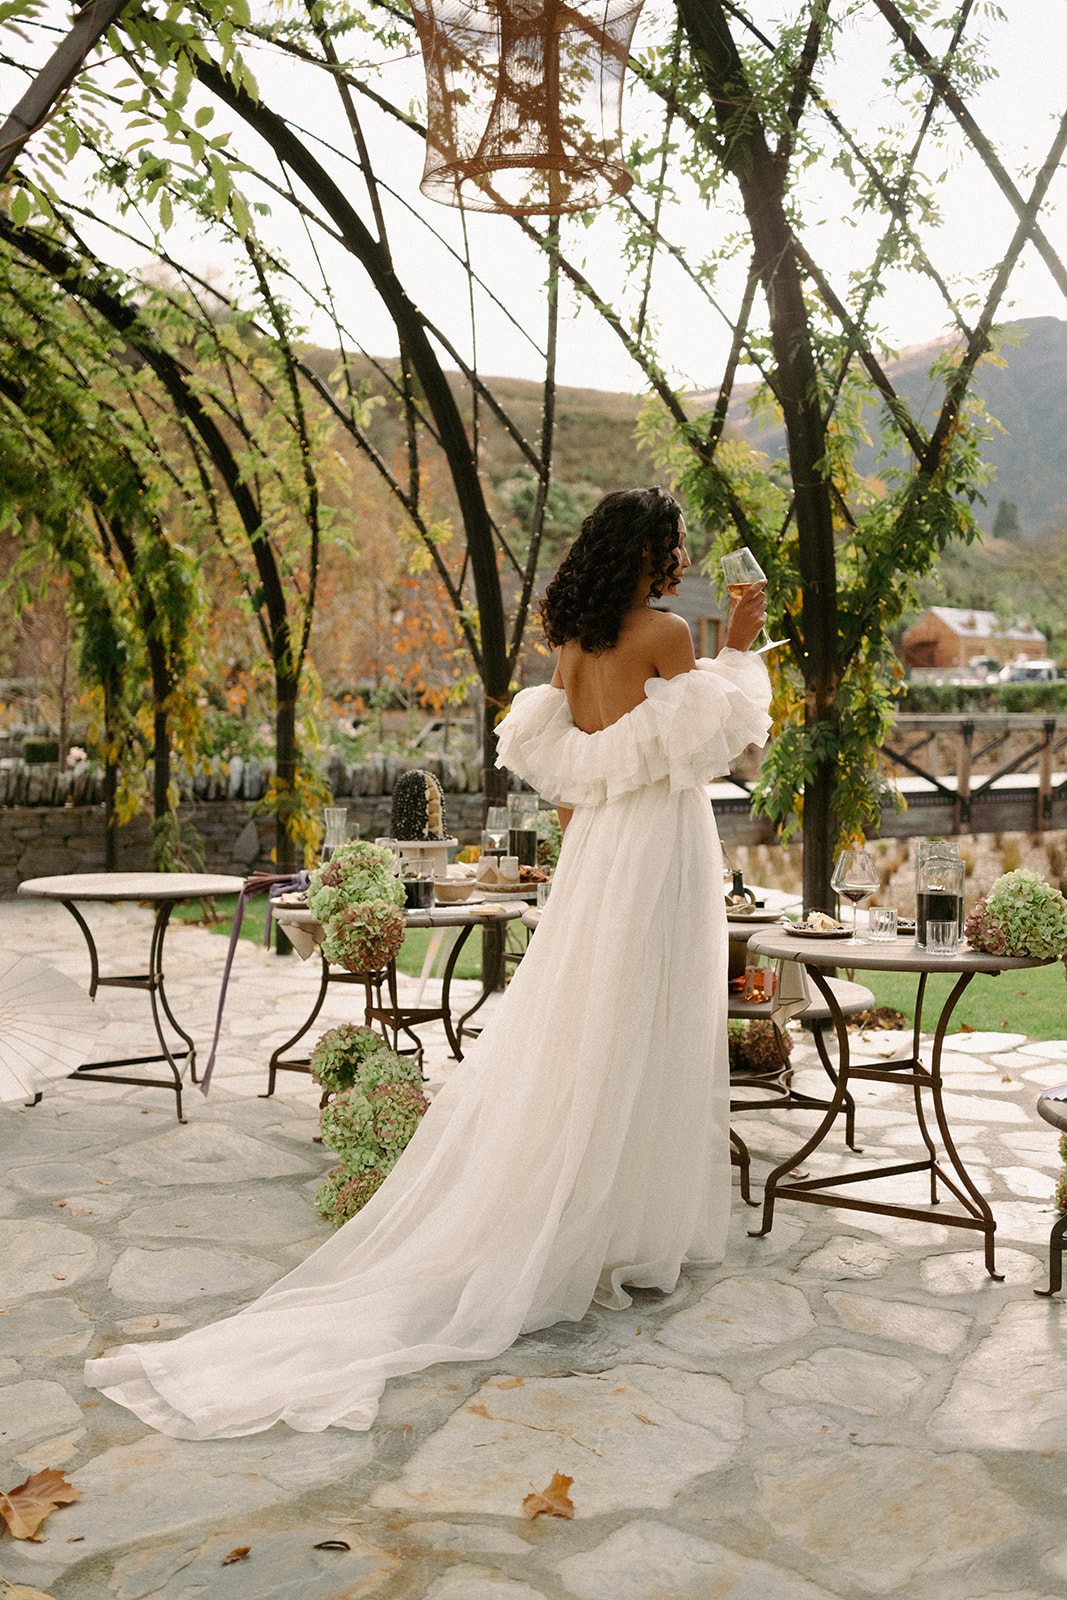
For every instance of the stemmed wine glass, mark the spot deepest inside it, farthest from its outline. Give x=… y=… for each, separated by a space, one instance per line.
x=855 y=876
x=741 y=570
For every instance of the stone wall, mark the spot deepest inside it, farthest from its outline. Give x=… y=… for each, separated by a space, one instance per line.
x=38 y=841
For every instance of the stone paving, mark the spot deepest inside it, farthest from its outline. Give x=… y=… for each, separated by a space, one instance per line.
x=847 y=1408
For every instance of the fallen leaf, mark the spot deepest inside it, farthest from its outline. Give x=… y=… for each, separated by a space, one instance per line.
x=236 y=1555
x=641 y=1418
x=639 y=1327
x=60 y=1277
x=59 y=1202
x=551 y=1502
x=965 y=1027
x=26 y=1507
x=1005 y=1078
x=18 y=1591
x=512 y=1383
x=107 y=1182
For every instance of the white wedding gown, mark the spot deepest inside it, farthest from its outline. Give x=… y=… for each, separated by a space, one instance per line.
x=582 y=1144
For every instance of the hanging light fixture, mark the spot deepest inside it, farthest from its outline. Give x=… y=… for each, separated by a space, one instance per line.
x=524 y=102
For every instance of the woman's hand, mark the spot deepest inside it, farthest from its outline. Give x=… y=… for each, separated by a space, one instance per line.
x=748 y=613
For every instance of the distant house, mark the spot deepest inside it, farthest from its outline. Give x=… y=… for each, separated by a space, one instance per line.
x=948 y=636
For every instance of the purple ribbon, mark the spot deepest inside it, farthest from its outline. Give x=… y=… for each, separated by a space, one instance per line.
x=274 y=884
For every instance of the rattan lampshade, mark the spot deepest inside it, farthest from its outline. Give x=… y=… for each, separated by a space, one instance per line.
x=524 y=102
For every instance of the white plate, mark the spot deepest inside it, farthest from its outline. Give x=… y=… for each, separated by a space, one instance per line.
x=819 y=933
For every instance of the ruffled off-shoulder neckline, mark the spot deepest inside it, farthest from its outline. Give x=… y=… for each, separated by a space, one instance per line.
x=686 y=731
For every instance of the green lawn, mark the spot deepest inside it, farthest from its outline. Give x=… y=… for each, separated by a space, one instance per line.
x=1032 y=1000
x=409 y=960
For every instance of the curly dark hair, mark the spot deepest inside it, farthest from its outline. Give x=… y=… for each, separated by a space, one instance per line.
x=594 y=587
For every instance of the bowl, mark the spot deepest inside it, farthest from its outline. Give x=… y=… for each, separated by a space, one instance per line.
x=453 y=891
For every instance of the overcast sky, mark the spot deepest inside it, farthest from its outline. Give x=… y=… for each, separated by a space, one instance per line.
x=1018 y=109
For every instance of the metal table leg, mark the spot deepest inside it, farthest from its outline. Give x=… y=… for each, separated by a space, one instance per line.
x=820 y=1191
x=152 y=981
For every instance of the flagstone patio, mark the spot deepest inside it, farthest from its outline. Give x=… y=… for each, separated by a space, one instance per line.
x=849 y=1407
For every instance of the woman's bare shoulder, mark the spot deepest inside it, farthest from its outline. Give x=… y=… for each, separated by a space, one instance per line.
x=663 y=638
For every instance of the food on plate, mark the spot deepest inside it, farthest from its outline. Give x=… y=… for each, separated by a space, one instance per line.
x=820 y=922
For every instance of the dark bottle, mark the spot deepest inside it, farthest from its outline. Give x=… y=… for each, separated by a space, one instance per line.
x=522 y=842
x=739 y=895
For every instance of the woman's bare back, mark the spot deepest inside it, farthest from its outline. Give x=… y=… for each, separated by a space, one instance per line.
x=602 y=688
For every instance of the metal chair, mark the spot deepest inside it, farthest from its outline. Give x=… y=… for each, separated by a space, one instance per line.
x=1052 y=1106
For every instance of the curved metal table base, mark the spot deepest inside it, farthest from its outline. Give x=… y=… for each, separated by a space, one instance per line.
x=392 y=1018
x=948 y=1171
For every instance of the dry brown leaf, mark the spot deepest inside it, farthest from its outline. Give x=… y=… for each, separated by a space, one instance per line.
x=512 y=1383
x=18 y=1591
x=551 y=1502
x=26 y=1507
x=59 y=1202
x=105 y=1182
x=642 y=1418
x=235 y=1555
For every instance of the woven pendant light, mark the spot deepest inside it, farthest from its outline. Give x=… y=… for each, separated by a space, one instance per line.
x=524 y=102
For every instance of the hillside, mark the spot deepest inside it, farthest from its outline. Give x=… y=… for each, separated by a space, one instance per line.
x=1027 y=397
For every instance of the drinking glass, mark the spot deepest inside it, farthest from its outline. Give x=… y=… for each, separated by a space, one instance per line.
x=741 y=570
x=336 y=819
x=495 y=832
x=942 y=938
x=522 y=828
x=855 y=876
x=881 y=924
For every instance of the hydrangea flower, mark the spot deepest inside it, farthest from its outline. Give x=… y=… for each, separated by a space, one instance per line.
x=364 y=937
x=355 y=872
x=349 y=1053
x=397 y=1108
x=370 y=1122
x=753 y=1046
x=1022 y=915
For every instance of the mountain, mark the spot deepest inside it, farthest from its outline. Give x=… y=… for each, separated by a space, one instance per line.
x=1027 y=397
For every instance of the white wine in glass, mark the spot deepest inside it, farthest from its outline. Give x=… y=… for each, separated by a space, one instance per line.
x=741 y=570
x=855 y=876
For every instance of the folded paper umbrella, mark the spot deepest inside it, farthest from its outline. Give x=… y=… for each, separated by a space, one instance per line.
x=45 y=1024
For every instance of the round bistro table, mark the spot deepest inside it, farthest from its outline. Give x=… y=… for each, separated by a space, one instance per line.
x=899 y=955
x=381 y=1001
x=163 y=890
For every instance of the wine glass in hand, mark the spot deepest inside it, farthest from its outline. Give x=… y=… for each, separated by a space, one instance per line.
x=741 y=570
x=855 y=876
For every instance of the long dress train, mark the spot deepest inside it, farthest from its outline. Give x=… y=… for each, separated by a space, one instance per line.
x=581 y=1145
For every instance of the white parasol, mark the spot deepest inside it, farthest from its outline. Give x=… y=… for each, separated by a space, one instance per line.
x=45 y=1024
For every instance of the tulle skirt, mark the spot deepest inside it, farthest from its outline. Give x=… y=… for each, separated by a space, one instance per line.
x=583 y=1145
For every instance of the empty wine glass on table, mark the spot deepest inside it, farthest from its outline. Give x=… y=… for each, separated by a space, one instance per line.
x=855 y=876
x=741 y=570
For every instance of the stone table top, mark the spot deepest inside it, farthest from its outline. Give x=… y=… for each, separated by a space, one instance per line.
x=895 y=955
x=158 y=887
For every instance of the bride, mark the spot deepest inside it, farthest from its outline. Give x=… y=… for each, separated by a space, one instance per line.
x=582 y=1145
